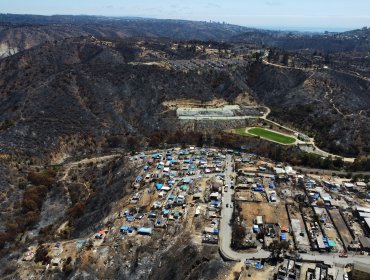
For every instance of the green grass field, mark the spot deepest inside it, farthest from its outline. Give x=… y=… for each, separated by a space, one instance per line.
x=241 y=131
x=270 y=135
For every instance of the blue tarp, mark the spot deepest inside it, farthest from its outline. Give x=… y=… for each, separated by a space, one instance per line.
x=215 y=231
x=152 y=215
x=283 y=236
x=259 y=265
x=256 y=229
x=187 y=180
x=129 y=218
x=144 y=230
x=159 y=186
x=123 y=228
x=139 y=178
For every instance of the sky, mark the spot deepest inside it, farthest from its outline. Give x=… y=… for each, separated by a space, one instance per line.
x=273 y=14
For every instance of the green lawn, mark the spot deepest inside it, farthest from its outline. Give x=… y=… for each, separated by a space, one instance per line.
x=270 y=135
x=241 y=131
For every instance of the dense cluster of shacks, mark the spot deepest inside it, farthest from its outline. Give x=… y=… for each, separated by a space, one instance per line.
x=290 y=269
x=170 y=178
x=343 y=225
x=178 y=184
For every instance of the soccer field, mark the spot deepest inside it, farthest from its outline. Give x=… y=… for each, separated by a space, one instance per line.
x=270 y=135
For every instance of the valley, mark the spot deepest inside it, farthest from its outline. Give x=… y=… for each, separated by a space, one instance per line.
x=139 y=148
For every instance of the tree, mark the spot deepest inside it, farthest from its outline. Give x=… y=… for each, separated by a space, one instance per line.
x=278 y=247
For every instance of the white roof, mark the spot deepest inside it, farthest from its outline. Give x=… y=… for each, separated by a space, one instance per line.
x=288 y=169
x=364 y=215
x=363 y=209
x=279 y=170
x=215 y=194
x=361 y=184
x=259 y=220
x=367 y=220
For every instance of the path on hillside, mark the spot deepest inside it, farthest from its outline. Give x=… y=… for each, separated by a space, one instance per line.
x=68 y=166
x=315 y=149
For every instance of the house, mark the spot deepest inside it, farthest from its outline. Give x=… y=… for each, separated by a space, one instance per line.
x=214 y=196
x=161 y=223
x=321 y=271
x=100 y=235
x=365 y=243
x=145 y=231
x=349 y=186
x=157 y=205
x=152 y=215
x=123 y=229
x=197 y=196
x=198 y=211
x=259 y=220
x=55 y=262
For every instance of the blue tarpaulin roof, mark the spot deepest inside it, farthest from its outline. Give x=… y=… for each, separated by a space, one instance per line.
x=259 y=265
x=283 y=236
x=144 y=230
x=123 y=228
x=159 y=186
x=129 y=218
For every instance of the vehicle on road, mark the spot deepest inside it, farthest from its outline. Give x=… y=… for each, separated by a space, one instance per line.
x=227 y=205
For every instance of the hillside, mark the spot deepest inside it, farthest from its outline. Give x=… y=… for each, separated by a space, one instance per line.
x=20 y=32
x=91 y=88
x=85 y=102
x=351 y=41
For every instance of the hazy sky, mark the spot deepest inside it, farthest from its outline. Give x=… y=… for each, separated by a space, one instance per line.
x=325 y=14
